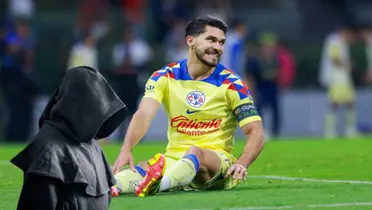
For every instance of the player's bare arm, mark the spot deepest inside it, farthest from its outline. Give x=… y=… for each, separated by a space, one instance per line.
x=255 y=143
x=256 y=140
x=140 y=122
x=138 y=127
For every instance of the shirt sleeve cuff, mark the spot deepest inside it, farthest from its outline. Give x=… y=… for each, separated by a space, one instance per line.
x=249 y=119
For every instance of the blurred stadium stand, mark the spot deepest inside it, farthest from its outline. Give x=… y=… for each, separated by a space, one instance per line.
x=302 y=25
x=54 y=25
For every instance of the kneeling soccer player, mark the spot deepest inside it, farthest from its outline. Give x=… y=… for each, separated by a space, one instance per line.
x=204 y=102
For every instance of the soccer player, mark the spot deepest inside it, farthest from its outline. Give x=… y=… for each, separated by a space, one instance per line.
x=204 y=101
x=366 y=34
x=336 y=77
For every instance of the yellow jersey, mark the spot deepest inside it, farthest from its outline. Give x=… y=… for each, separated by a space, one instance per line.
x=203 y=113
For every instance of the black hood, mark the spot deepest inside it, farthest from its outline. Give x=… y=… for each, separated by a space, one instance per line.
x=84 y=106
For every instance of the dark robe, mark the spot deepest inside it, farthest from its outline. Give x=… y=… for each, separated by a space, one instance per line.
x=64 y=166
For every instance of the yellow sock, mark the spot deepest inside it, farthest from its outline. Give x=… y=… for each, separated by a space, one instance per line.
x=127 y=180
x=180 y=173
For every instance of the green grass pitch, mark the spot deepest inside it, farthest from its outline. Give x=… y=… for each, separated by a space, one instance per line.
x=325 y=163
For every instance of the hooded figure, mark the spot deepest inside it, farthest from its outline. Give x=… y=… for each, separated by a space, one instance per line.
x=64 y=166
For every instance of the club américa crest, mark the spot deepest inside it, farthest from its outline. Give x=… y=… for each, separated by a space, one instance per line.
x=195 y=99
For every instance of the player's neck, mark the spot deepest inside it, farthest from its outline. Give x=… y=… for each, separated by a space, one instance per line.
x=197 y=70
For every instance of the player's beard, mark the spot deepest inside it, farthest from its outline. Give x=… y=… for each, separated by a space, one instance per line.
x=201 y=53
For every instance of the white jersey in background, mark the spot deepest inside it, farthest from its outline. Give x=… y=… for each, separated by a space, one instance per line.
x=83 y=55
x=337 y=78
x=331 y=74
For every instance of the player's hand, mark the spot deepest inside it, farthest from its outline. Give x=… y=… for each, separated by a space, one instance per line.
x=124 y=158
x=237 y=171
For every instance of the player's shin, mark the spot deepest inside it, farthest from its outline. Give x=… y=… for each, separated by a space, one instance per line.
x=330 y=130
x=180 y=173
x=127 y=180
x=350 y=121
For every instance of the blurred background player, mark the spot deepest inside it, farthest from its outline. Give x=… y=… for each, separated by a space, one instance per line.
x=366 y=35
x=263 y=71
x=17 y=88
x=130 y=58
x=335 y=75
x=234 y=50
x=84 y=53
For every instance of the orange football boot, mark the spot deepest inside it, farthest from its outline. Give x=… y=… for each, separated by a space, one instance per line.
x=151 y=182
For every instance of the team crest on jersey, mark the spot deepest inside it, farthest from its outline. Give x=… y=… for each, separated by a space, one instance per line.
x=195 y=99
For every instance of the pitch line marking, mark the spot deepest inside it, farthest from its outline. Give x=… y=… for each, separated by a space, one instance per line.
x=295 y=206
x=311 y=179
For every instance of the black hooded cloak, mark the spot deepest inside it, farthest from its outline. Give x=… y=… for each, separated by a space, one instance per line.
x=64 y=166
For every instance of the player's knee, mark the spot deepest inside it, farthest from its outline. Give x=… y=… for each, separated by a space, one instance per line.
x=141 y=168
x=143 y=164
x=196 y=154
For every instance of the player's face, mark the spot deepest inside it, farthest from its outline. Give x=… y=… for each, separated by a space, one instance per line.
x=365 y=34
x=89 y=41
x=208 y=46
x=349 y=36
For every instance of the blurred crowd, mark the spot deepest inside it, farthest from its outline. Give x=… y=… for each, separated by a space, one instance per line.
x=17 y=79
x=262 y=58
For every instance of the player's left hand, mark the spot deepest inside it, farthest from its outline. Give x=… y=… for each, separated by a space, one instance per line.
x=237 y=171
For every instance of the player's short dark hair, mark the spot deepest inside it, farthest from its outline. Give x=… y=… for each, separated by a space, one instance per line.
x=197 y=25
x=347 y=26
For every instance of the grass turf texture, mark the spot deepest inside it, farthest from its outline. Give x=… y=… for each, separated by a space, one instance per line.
x=309 y=158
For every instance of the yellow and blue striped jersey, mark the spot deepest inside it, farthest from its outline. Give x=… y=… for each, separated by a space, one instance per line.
x=203 y=113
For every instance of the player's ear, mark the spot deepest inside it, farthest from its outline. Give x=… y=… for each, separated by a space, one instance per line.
x=190 y=41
